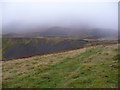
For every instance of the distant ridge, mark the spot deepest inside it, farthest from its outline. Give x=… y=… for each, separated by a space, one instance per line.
x=67 y=32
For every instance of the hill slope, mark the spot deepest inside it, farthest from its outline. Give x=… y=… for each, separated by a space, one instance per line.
x=92 y=67
x=24 y=47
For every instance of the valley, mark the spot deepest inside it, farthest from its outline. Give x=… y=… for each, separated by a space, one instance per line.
x=25 y=47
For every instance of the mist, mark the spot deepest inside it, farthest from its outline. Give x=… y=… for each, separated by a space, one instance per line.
x=28 y=17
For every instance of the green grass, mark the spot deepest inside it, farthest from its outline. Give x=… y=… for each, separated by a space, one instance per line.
x=92 y=67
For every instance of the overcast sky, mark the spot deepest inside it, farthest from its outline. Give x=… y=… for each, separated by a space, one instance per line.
x=66 y=14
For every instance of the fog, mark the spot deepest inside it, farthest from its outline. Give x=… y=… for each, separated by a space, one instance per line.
x=21 y=17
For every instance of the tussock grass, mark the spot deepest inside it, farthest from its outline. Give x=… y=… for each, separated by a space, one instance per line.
x=91 y=67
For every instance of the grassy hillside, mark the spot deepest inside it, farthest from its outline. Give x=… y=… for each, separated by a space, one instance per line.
x=24 y=47
x=91 y=67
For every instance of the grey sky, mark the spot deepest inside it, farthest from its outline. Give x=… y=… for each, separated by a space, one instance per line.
x=100 y=15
